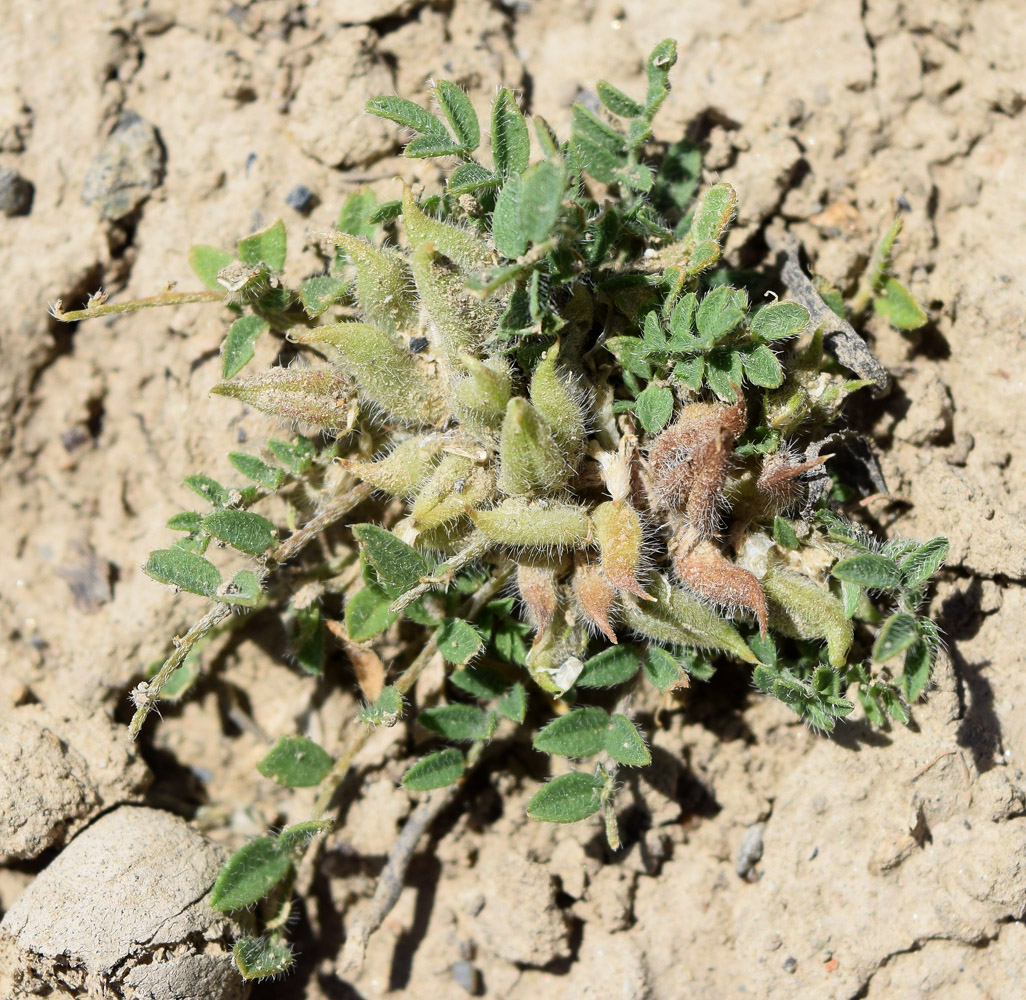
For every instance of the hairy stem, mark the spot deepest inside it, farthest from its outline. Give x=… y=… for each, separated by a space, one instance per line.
x=135 y=305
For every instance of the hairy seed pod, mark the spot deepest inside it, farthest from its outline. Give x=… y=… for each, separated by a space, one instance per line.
x=316 y=395
x=553 y=398
x=548 y=526
x=801 y=608
x=709 y=574
x=462 y=246
x=538 y=583
x=403 y=471
x=620 y=540
x=779 y=482
x=530 y=461
x=688 y=462
x=457 y=482
x=387 y=374
x=384 y=284
x=595 y=597
x=480 y=398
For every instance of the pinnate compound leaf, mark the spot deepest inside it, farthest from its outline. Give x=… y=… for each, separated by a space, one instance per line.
x=896 y=305
x=611 y=667
x=436 y=770
x=296 y=762
x=779 y=321
x=398 y=565
x=237 y=349
x=249 y=875
x=242 y=530
x=257 y=469
x=895 y=636
x=654 y=407
x=580 y=733
x=260 y=957
x=407 y=114
x=869 y=569
x=266 y=247
x=567 y=799
x=625 y=744
x=511 y=140
x=460 y=113
x=922 y=562
x=458 y=722
x=184 y=570
x=206 y=262
x=458 y=640
x=367 y=614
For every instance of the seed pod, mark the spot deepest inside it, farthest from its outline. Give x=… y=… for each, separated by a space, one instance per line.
x=388 y=375
x=480 y=398
x=620 y=541
x=462 y=246
x=315 y=395
x=457 y=482
x=538 y=583
x=800 y=608
x=535 y=526
x=705 y=571
x=384 y=284
x=595 y=597
x=530 y=461
x=553 y=398
x=402 y=472
x=779 y=484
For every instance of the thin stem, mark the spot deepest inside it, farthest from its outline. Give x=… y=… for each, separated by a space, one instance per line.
x=135 y=305
x=336 y=509
x=444 y=574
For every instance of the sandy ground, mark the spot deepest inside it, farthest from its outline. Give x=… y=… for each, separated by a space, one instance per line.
x=894 y=863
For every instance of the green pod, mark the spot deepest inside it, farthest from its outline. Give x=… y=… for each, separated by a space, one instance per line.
x=462 y=320
x=621 y=544
x=402 y=472
x=387 y=373
x=384 y=284
x=457 y=482
x=545 y=526
x=682 y=619
x=801 y=608
x=480 y=398
x=315 y=395
x=462 y=246
x=553 y=398
x=530 y=460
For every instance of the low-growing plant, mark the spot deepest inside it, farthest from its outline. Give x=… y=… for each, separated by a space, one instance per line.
x=557 y=443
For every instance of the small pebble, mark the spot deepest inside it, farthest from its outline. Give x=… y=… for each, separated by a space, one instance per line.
x=127 y=169
x=418 y=344
x=790 y=964
x=468 y=976
x=301 y=198
x=16 y=193
x=750 y=852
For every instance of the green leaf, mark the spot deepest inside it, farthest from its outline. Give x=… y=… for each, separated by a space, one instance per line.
x=482 y=682
x=851 y=596
x=869 y=570
x=510 y=240
x=266 y=247
x=460 y=113
x=206 y=261
x=713 y=214
x=625 y=744
x=681 y=322
x=513 y=704
x=237 y=349
x=258 y=958
x=618 y=102
x=458 y=640
x=783 y=534
x=609 y=668
x=870 y=706
x=662 y=668
x=722 y=311
x=183 y=570
x=407 y=114
x=436 y=770
x=660 y=61
x=654 y=407
x=431 y=145
x=249 y=875
x=567 y=799
x=296 y=838
x=677 y=179
x=691 y=371
x=895 y=636
x=386 y=710
x=580 y=733
x=188 y=520
x=468 y=177
x=541 y=199
x=779 y=321
x=244 y=590
x=511 y=140
x=920 y=564
x=892 y=702
x=296 y=762
x=367 y=614
x=916 y=675
x=598 y=160
x=896 y=305
x=257 y=469
x=636 y=176
x=308 y=639
x=319 y=293
x=398 y=565
x=354 y=217
x=298 y=456
x=386 y=211
x=761 y=366
x=458 y=722
x=209 y=489
x=724 y=373
x=242 y=530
